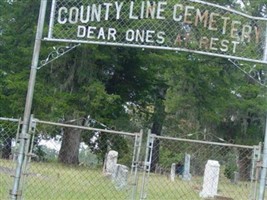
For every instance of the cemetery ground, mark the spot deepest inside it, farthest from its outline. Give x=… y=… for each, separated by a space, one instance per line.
x=55 y=181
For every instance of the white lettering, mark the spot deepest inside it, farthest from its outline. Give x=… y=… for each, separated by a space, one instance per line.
x=74 y=15
x=131 y=16
x=224 y=44
x=81 y=31
x=235 y=43
x=187 y=14
x=150 y=9
x=149 y=36
x=213 y=22
x=246 y=31
x=201 y=17
x=101 y=34
x=234 y=30
x=108 y=5
x=160 y=9
x=225 y=21
x=213 y=43
x=87 y=18
x=177 y=16
x=160 y=37
x=96 y=13
x=129 y=35
x=112 y=34
x=61 y=19
x=118 y=9
x=90 y=32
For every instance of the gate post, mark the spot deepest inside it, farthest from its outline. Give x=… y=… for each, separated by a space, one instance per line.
x=264 y=154
x=135 y=162
x=254 y=176
x=147 y=164
x=16 y=193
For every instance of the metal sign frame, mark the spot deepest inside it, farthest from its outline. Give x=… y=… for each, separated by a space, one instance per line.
x=193 y=26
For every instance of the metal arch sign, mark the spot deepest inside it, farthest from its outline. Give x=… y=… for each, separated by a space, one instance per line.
x=181 y=25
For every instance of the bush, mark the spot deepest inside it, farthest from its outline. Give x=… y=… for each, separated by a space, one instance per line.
x=229 y=170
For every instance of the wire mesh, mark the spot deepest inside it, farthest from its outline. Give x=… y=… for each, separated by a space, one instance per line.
x=107 y=163
x=186 y=25
x=180 y=170
x=8 y=130
x=71 y=163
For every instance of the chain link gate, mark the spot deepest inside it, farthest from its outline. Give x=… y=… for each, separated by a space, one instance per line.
x=180 y=167
x=9 y=131
x=45 y=178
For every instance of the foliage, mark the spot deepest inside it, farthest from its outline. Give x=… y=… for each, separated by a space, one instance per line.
x=230 y=166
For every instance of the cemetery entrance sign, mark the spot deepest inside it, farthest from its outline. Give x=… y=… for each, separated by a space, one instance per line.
x=180 y=25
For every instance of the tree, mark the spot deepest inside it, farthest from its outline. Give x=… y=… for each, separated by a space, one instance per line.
x=190 y=91
x=15 y=51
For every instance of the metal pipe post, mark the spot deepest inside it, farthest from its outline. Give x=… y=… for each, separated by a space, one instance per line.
x=147 y=164
x=135 y=163
x=264 y=155
x=24 y=136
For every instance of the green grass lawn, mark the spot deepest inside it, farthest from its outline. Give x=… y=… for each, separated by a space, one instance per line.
x=47 y=181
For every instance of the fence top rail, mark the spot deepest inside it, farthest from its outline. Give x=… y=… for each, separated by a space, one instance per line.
x=85 y=128
x=203 y=142
x=9 y=119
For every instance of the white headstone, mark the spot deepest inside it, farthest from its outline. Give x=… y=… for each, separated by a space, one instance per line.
x=121 y=176
x=211 y=179
x=173 y=169
x=236 y=177
x=111 y=162
x=186 y=173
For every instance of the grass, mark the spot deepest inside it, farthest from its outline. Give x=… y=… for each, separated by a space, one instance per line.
x=53 y=181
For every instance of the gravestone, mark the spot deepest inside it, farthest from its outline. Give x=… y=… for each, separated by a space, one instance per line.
x=236 y=177
x=211 y=179
x=173 y=169
x=120 y=176
x=186 y=172
x=111 y=162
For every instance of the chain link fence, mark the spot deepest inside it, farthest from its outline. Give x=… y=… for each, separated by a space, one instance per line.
x=9 y=129
x=99 y=167
x=183 y=25
x=116 y=165
x=187 y=169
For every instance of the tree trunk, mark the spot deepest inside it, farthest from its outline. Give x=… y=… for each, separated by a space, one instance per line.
x=158 y=119
x=244 y=165
x=69 y=151
x=6 y=151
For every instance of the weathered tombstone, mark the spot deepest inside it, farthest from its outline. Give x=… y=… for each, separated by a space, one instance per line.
x=211 y=179
x=236 y=177
x=111 y=162
x=186 y=173
x=121 y=176
x=115 y=171
x=173 y=169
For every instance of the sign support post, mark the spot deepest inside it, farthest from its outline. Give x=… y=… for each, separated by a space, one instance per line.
x=264 y=155
x=16 y=193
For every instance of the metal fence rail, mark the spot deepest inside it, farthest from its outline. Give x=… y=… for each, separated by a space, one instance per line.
x=8 y=133
x=184 y=25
